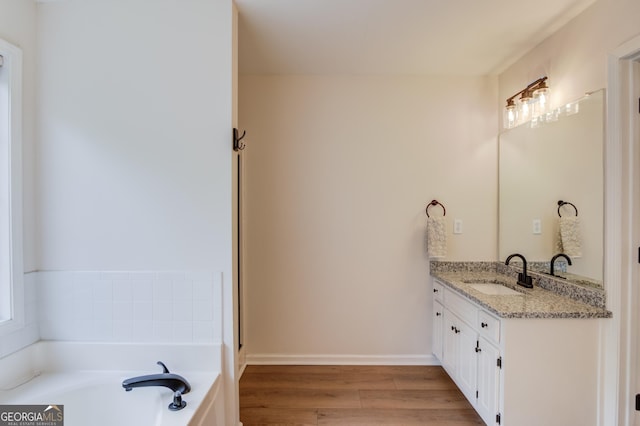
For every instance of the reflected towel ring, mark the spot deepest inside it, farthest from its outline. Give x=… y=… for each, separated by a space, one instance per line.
x=436 y=203
x=562 y=203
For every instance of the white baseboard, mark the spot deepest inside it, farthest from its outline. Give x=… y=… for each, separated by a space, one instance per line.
x=283 y=359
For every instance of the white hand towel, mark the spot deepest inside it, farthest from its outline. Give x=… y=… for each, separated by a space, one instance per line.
x=570 y=236
x=436 y=236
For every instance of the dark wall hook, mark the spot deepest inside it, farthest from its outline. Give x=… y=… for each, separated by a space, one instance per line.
x=562 y=203
x=237 y=144
x=436 y=203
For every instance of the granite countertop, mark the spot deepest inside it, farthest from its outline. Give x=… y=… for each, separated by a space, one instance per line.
x=530 y=303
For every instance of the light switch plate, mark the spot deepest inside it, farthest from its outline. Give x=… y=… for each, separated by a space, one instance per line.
x=457 y=226
x=537 y=226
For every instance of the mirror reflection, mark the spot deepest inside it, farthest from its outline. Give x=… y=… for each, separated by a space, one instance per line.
x=538 y=167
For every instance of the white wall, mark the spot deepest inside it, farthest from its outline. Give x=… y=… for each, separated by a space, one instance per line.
x=339 y=172
x=134 y=130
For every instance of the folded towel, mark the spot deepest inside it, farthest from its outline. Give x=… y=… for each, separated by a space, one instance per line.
x=436 y=236
x=570 y=236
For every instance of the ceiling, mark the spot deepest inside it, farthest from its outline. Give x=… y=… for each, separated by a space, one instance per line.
x=432 y=37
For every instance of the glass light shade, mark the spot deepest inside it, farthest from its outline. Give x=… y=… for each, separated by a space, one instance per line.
x=541 y=101
x=510 y=117
x=525 y=108
x=571 y=108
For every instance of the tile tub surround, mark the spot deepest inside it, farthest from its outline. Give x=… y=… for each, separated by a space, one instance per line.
x=130 y=306
x=538 y=302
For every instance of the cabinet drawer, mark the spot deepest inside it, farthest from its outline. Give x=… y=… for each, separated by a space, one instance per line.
x=463 y=308
x=489 y=326
x=438 y=290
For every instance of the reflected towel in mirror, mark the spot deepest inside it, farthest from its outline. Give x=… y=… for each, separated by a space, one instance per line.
x=436 y=236
x=569 y=238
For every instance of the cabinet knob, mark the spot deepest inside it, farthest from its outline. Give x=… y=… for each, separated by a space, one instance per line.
x=484 y=325
x=438 y=314
x=453 y=328
x=457 y=330
x=435 y=290
x=478 y=350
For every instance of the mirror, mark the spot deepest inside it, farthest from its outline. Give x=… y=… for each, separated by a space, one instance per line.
x=559 y=160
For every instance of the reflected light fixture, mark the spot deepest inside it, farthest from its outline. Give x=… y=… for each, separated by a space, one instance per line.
x=532 y=104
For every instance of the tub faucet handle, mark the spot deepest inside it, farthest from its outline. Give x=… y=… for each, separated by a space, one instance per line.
x=178 y=403
x=164 y=367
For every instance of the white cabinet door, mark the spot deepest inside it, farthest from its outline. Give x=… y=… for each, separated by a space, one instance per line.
x=488 y=401
x=467 y=359
x=438 y=324
x=449 y=344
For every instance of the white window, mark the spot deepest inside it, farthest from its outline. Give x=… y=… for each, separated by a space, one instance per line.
x=11 y=270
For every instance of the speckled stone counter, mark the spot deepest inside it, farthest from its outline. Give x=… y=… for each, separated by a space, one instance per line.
x=537 y=302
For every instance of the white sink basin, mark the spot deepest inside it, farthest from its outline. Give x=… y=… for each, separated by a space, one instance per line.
x=494 y=289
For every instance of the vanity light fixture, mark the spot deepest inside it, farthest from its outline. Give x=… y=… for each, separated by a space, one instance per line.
x=533 y=103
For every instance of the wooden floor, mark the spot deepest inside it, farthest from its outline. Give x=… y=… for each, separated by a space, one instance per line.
x=352 y=395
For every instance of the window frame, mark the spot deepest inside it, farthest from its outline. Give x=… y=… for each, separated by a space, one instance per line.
x=12 y=315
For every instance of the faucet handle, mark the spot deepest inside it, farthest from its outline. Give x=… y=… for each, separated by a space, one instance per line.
x=164 y=367
x=178 y=403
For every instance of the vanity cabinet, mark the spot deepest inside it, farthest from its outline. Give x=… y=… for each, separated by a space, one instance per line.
x=518 y=371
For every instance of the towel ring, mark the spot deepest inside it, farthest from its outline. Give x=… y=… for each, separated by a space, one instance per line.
x=436 y=203
x=562 y=203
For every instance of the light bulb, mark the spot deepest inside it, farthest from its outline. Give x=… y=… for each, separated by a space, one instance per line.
x=541 y=97
x=524 y=107
x=510 y=117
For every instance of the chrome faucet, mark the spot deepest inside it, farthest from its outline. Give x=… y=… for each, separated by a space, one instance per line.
x=523 y=279
x=178 y=384
x=553 y=261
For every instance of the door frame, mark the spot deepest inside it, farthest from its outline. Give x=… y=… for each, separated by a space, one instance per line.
x=618 y=348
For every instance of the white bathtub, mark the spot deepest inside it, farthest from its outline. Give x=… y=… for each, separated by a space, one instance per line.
x=87 y=379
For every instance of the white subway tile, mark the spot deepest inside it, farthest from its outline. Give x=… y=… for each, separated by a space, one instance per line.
x=162 y=310
x=203 y=332
x=102 y=331
x=162 y=331
x=56 y=289
x=102 y=290
x=142 y=290
x=102 y=311
x=124 y=306
x=122 y=291
x=182 y=310
x=199 y=275
x=123 y=311
x=202 y=311
x=182 y=290
x=143 y=275
x=55 y=276
x=171 y=275
x=82 y=310
x=143 y=331
x=114 y=275
x=123 y=331
x=84 y=330
x=162 y=290
x=86 y=275
x=203 y=291
x=83 y=289
x=60 y=330
x=143 y=311
x=182 y=331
